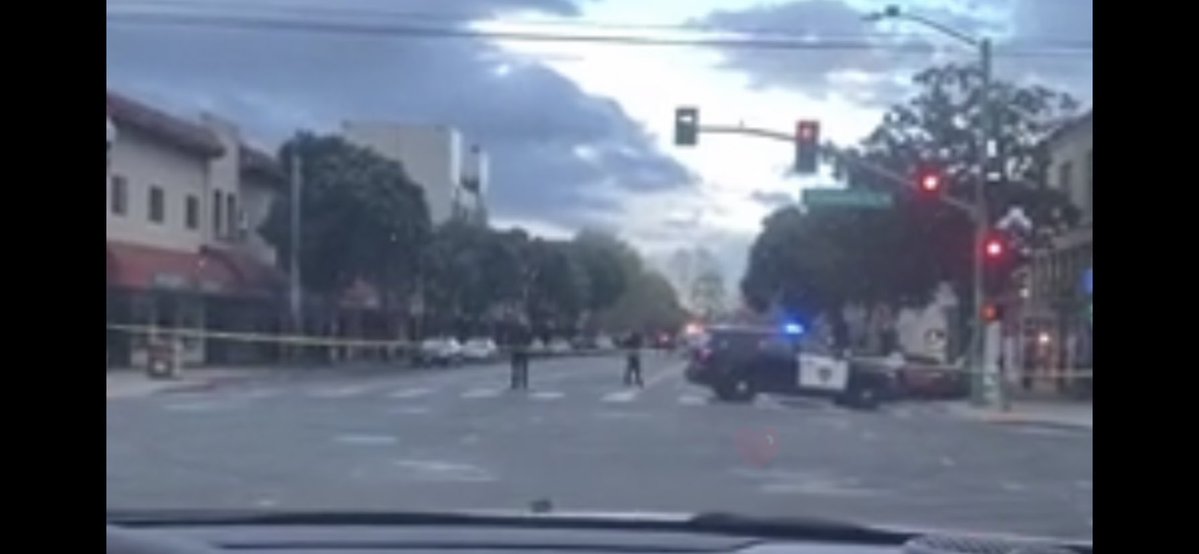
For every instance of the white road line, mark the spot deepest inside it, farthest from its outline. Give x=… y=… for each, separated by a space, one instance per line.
x=339 y=392
x=410 y=392
x=260 y=394
x=481 y=393
x=692 y=400
x=365 y=440
x=621 y=396
x=546 y=395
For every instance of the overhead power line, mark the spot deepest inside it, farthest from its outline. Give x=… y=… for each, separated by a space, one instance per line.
x=219 y=7
x=402 y=29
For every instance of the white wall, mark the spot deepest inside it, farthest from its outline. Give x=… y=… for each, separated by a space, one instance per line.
x=1074 y=147
x=224 y=176
x=257 y=198
x=432 y=156
x=143 y=162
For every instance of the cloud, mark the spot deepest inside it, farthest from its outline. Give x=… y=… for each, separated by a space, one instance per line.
x=879 y=74
x=532 y=120
x=772 y=199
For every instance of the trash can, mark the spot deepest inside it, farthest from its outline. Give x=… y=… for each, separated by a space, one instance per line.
x=164 y=358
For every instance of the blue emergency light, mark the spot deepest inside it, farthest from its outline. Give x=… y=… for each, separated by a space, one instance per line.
x=793 y=328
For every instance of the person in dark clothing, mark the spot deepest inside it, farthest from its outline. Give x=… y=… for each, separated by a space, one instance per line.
x=518 y=343
x=632 y=368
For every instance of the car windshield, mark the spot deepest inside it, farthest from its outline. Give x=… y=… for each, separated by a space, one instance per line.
x=775 y=258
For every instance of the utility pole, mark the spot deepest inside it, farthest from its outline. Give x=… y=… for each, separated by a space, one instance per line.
x=981 y=229
x=293 y=296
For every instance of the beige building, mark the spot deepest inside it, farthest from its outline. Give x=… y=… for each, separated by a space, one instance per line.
x=185 y=199
x=454 y=177
x=1057 y=311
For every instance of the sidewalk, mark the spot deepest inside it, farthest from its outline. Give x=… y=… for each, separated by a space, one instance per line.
x=126 y=383
x=1061 y=414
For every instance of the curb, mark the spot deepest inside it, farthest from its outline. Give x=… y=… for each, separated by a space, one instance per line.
x=1025 y=420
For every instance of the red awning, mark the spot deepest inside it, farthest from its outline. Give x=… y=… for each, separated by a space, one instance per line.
x=209 y=271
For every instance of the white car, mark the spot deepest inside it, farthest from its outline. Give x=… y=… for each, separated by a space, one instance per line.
x=559 y=346
x=604 y=342
x=480 y=348
x=441 y=351
x=537 y=346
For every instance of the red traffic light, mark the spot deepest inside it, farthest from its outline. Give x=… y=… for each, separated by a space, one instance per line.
x=930 y=182
x=993 y=248
x=806 y=130
x=991 y=312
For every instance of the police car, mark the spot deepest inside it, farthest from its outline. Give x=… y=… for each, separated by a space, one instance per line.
x=738 y=362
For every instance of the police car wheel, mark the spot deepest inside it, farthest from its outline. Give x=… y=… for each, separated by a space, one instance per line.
x=737 y=389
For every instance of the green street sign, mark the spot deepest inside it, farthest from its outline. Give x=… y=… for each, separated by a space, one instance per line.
x=846 y=198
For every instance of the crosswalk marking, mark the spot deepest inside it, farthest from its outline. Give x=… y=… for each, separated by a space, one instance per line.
x=692 y=400
x=547 y=395
x=481 y=393
x=410 y=392
x=338 y=392
x=620 y=396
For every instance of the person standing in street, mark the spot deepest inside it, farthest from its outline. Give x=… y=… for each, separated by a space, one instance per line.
x=632 y=368
x=518 y=343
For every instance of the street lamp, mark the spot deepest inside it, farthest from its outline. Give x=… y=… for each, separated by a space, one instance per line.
x=981 y=219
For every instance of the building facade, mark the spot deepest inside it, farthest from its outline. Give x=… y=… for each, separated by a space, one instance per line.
x=453 y=177
x=1056 y=325
x=185 y=200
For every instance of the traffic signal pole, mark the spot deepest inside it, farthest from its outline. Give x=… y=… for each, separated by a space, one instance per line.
x=981 y=228
x=977 y=212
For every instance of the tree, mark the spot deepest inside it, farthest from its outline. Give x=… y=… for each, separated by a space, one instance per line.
x=708 y=293
x=363 y=219
x=609 y=264
x=649 y=303
x=821 y=259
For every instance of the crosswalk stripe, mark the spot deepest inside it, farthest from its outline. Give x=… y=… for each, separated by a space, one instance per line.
x=481 y=393
x=547 y=395
x=338 y=392
x=692 y=400
x=620 y=396
x=410 y=392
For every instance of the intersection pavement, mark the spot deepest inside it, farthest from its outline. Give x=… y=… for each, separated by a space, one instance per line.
x=453 y=439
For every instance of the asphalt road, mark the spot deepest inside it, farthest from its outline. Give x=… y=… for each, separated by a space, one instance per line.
x=457 y=439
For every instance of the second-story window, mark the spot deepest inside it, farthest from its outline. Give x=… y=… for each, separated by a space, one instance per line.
x=157 y=205
x=192 y=211
x=231 y=212
x=217 y=206
x=1065 y=173
x=119 y=195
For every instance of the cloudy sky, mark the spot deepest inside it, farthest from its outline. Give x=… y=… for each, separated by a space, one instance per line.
x=580 y=131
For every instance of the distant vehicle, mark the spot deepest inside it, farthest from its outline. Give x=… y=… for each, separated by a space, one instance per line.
x=664 y=341
x=480 y=348
x=604 y=342
x=537 y=346
x=559 y=346
x=443 y=351
x=740 y=362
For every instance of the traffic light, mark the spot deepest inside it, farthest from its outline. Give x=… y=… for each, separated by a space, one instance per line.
x=930 y=182
x=994 y=247
x=807 y=146
x=686 y=126
x=992 y=312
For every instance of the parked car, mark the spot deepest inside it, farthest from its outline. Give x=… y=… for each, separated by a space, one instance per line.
x=604 y=342
x=480 y=348
x=443 y=351
x=559 y=346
